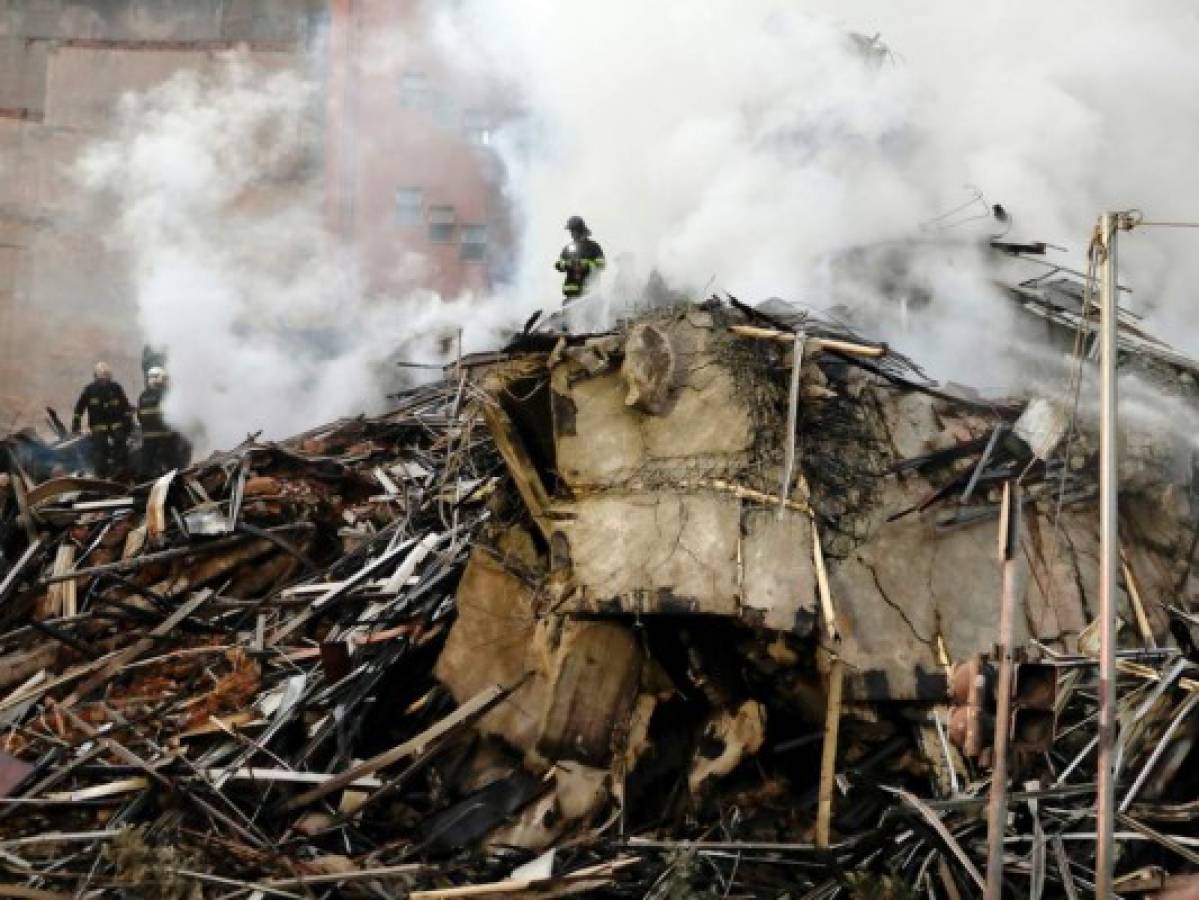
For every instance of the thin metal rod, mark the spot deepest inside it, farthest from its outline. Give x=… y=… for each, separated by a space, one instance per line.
x=792 y=422
x=1109 y=549
x=1009 y=543
x=1162 y=744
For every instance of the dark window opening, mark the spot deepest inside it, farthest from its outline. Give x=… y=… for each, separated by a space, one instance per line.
x=443 y=224
x=474 y=243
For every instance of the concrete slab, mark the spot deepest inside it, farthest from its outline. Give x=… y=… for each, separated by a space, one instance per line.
x=583 y=676
x=704 y=429
x=779 y=579
x=655 y=552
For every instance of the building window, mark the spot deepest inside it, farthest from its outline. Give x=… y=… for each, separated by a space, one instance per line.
x=474 y=243
x=414 y=90
x=442 y=224
x=410 y=205
x=477 y=127
x=441 y=108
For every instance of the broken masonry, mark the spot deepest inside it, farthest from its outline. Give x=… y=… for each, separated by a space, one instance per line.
x=708 y=598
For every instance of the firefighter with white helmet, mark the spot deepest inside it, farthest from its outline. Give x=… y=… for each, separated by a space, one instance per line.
x=158 y=440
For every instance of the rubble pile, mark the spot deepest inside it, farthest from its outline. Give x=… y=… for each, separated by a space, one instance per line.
x=703 y=606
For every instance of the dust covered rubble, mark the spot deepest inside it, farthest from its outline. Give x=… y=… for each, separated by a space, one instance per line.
x=680 y=607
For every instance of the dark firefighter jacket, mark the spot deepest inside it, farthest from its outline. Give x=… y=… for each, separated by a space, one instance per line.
x=579 y=260
x=149 y=414
x=106 y=405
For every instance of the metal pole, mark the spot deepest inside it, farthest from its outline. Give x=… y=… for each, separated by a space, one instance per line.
x=1109 y=548
x=828 y=755
x=1009 y=539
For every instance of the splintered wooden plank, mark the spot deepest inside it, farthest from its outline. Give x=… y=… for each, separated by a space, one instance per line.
x=62 y=594
x=592 y=876
x=156 y=508
x=520 y=464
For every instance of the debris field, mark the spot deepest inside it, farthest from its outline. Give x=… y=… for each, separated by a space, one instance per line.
x=723 y=602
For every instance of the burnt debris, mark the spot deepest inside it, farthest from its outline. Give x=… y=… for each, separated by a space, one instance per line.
x=706 y=605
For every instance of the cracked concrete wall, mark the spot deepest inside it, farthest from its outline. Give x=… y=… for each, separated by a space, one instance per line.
x=898 y=592
x=655 y=552
x=671 y=512
x=704 y=429
x=644 y=530
x=908 y=584
x=906 y=588
x=778 y=587
x=661 y=552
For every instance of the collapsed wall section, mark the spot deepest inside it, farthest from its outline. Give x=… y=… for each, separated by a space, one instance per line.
x=655 y=458
x=649 y=465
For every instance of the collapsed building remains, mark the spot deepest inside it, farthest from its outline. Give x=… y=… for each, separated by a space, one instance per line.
x=705 y=605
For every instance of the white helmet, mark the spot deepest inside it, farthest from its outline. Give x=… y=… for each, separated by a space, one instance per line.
x=102 y=371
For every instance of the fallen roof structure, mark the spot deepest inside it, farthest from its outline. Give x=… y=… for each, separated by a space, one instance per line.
x=705 y=605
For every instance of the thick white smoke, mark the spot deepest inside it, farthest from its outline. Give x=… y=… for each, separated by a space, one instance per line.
x=744 y=141
x=214 y=182
x=741 y=144
x=224 y=267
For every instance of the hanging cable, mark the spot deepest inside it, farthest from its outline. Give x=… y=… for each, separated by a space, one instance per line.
x=1095 y=253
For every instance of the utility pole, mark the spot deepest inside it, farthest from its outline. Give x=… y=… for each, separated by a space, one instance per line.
x=1109 y=549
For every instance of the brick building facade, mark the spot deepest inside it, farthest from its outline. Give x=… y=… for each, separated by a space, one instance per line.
x=409 y=180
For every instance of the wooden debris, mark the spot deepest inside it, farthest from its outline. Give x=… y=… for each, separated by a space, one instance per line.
x=417 y=745
x=273 y=674
x=828 y=755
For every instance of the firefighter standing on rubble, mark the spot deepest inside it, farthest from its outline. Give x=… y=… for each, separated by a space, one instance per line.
x=109 y=418
x=580 y=259
x=158 y=440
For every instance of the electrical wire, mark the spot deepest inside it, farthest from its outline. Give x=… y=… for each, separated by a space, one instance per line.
x=1096 y=251
x=1135 y=218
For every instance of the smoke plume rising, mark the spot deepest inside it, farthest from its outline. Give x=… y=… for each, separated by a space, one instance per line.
x=746 y=145
x=748 y=142
x=262 y=313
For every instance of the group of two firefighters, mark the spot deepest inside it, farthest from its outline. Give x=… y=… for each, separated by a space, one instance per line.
x=110 y=419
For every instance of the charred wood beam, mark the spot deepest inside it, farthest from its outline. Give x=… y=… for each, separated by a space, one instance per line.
x=939 y=457
x=140 y=562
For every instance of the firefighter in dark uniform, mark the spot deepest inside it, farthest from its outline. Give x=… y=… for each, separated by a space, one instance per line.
x=109 y=418
x=580 y=259
x=158 y=440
